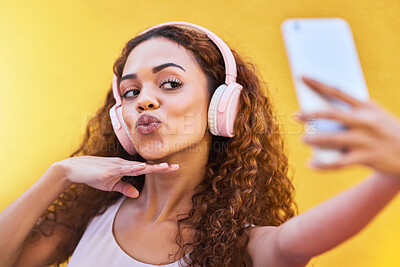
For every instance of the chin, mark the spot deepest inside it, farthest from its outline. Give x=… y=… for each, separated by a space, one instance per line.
x=159 y=150
x=152 y=152
x=152 y=157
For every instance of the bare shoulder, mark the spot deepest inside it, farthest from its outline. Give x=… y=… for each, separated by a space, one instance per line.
x=263 y=248
x=259 y=235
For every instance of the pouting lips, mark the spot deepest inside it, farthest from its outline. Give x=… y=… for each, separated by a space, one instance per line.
x=147 y=124
x=146 y=120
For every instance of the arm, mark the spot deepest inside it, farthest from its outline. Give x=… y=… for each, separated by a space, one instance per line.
x=324 y=226
x=19 y=217
x=372 y=139
x=17 y=220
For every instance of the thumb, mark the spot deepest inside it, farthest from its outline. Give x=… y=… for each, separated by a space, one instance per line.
x=126 y=188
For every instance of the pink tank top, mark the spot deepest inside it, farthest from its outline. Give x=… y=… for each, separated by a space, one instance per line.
x=99 y=248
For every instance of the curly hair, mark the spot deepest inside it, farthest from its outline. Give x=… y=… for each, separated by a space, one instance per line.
x=246 y=180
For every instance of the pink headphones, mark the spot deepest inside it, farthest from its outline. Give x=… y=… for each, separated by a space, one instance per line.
x=224 y=103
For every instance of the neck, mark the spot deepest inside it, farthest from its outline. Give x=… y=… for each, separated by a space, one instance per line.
x=165 y=195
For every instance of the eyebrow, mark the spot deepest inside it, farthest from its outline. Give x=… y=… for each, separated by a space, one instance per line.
x=155 y=70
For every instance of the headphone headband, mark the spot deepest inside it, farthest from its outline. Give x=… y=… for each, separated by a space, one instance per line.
x=229 y=60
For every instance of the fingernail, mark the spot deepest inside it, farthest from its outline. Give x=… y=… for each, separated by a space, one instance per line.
x=175 y=166
x=163 y=164
x=142 y=164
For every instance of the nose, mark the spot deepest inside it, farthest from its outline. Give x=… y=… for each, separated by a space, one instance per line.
x=146 y=101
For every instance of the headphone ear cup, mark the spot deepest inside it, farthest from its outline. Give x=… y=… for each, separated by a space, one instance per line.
x=223 y=109
x=213 y=109
x=121 y=129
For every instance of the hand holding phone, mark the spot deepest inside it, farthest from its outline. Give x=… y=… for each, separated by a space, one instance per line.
x=323 y=49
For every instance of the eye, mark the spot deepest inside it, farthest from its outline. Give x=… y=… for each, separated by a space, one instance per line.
x=134 y=92
x=171 y=83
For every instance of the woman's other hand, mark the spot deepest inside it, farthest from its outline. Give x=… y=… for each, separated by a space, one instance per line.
x=105 y=173
x=372 y=138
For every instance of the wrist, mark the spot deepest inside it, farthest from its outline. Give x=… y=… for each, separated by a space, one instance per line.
x=59 y=172
x=389 y=178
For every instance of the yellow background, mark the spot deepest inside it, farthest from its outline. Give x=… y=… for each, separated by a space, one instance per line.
x=56 y=65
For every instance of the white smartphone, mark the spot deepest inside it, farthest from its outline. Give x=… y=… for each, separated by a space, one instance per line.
x=323 y=49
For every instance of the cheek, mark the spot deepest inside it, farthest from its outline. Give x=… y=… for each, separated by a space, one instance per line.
x=129 y=115
x=187 y=117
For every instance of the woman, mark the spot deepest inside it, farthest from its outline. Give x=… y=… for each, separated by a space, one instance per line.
x=199 y=199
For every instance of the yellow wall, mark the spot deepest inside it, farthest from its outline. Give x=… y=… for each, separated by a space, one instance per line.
x=56 y=65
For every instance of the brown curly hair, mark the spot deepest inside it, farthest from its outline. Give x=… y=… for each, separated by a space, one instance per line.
x=246 y=180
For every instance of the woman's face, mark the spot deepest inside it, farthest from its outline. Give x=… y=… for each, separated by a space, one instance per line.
x=163 y=79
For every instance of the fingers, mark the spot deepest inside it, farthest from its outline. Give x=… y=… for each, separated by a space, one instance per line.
x=331 y=92
x=130 y=170
x=135 y=169
x=344 y=139
x=171 y=168
x=350 y=158
x=363 y=119
x=150 y=168
x=355 y=148
x=126 y=189
x=160 y=168
x=333 y=114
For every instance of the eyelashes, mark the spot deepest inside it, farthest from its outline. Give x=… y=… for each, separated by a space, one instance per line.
x=175 y=82
x=124 y=95
x=172 y=84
